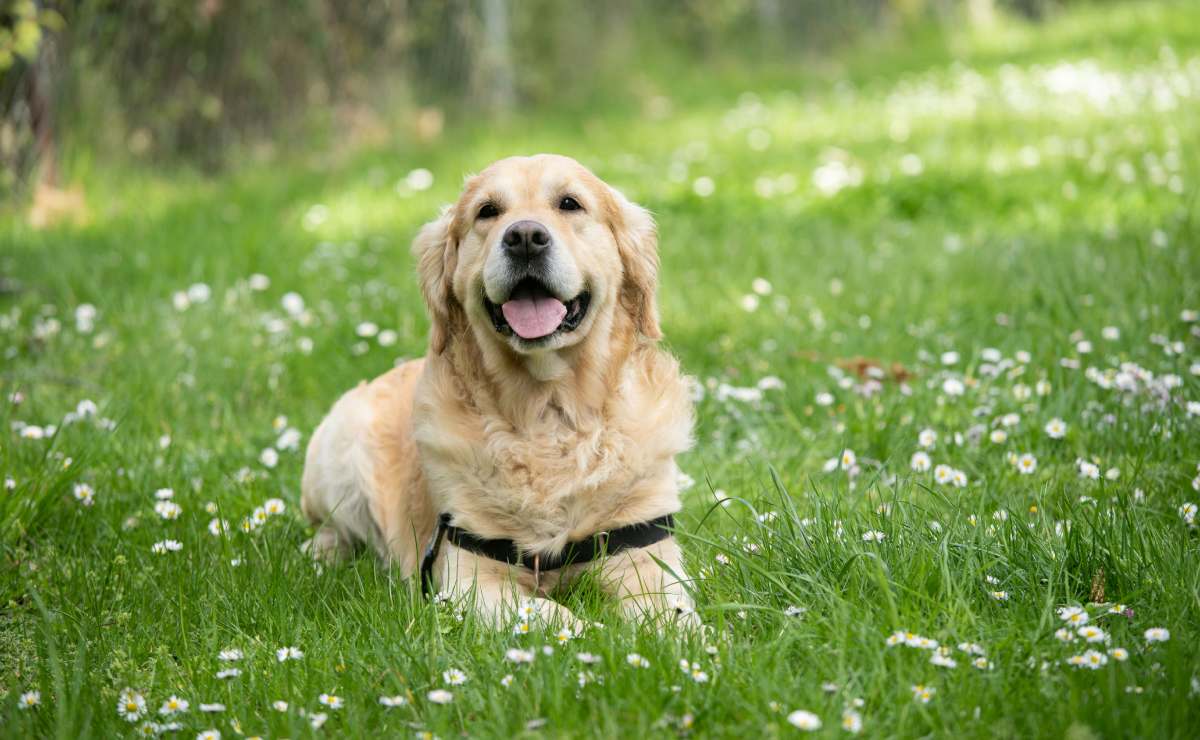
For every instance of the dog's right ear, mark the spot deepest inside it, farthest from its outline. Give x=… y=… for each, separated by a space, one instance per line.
x=436 y=259
x=637 y=242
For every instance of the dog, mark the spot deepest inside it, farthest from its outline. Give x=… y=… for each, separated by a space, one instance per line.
x=544 y=418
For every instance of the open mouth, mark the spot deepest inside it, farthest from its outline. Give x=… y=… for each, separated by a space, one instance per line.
x=532 y=312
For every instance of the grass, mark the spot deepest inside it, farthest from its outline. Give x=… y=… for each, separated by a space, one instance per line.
x=1050 y=193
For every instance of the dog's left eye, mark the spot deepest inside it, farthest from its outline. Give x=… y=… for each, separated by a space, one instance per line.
x=569 y=204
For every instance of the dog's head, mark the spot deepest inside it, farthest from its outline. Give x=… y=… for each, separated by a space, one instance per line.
x=536 y=254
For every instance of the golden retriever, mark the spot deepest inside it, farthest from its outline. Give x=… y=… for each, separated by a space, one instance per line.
x=544 y=411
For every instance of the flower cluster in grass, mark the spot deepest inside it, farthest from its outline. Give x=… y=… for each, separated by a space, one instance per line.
x=989 y=418
x=943 y=430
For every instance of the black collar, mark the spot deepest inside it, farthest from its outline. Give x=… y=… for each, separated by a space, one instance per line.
x=582 y=551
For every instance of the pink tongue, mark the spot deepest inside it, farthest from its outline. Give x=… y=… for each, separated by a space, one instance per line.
x=533 y=315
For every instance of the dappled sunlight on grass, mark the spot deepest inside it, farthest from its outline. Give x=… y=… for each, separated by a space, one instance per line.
x=940 y=305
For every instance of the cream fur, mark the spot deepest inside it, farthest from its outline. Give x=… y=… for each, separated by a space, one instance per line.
x=542 y=447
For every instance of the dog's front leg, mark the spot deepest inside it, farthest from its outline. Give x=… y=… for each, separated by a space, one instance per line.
x=649 y=583
x=500 y=594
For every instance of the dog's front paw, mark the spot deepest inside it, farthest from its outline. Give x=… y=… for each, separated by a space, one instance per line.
x=546 y=613
x=326 y=547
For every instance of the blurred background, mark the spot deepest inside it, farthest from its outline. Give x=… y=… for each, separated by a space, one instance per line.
x=208 y=82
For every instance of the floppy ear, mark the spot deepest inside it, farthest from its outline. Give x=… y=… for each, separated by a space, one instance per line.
x=637 y=243
x=436 y=259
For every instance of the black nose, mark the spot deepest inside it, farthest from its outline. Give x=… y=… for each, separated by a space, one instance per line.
x=525 y=240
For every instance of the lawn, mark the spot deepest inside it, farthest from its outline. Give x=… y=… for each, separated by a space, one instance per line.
x=942 y=302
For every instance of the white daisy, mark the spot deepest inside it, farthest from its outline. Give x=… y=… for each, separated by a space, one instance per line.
x=848 y=459
x=1092 y=659
x=269 y=457
x=289 y=439
x=805 y=720
x=1056 y=428
x=920 y=462
x=941 y=658
x=1073 y=615
x=83 y=492
x=173 y=705
x=637 y=661
x=168 y=510
x=131 y=705
x=230 y=654
x=852 y=721
x=1026 y=464
x=440 y=696
x=972 y=648
x=288 y=653
x=1157 y=634
x=943 y=474
x=1187 y=512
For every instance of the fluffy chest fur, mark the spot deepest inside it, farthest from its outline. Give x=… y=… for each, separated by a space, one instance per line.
x=561 y=472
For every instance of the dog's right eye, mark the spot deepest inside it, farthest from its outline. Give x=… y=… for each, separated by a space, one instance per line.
x=488 y=210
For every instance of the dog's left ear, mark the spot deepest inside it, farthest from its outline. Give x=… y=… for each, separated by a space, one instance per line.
x=637 y=242
x=436 y=259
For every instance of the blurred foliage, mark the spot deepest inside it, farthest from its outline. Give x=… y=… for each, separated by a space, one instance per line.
x=199 y=78
x=22 y=27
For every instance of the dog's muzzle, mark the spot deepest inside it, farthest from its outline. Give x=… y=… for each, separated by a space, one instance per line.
x=532 y=312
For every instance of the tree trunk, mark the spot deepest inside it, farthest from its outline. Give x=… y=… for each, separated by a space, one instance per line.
x=496 y=59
